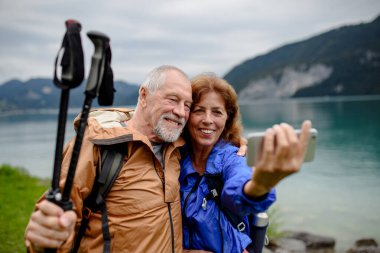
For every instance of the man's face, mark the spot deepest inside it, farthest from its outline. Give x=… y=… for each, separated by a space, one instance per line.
x=168 y=107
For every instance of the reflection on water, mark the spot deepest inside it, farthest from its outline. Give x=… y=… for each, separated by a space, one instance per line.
x=337 y=194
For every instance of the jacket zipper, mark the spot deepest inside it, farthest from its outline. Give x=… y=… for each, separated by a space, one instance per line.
x=163 y=188
x=171 y=225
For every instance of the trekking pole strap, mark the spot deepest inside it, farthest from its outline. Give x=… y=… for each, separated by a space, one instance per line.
x=106 y=90
x=72 y=60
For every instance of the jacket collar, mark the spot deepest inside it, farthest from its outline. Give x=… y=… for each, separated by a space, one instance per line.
x=214 y=161
x=110 y=126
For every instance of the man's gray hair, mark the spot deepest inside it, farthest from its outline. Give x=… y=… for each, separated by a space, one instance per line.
x=157 y=76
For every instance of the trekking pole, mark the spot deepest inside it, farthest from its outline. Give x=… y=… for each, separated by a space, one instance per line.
x=72 y=76
x=95 y=80
x=101 y=42
x=258 y=232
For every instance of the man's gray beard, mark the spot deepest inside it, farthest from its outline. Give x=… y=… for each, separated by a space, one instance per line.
x=165 y=134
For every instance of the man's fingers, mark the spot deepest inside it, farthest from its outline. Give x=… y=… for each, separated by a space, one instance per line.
x=68 y=219
x=43 y=242
x=49 y=209
x=52 y=234
x=41 y=236
x=242 y=151
x=243 y=147
x=51 y=222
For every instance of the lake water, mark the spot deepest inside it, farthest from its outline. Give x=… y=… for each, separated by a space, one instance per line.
x=338 y=194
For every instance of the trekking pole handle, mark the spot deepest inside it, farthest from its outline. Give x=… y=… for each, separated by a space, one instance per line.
x=73 y=26
x=100 y=41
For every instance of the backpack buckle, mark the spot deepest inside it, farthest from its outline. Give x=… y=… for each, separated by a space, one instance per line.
x=204 y=204
x=241 y=226
x=214 y=193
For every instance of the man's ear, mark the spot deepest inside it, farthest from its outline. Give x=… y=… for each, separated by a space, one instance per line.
x=143 y=93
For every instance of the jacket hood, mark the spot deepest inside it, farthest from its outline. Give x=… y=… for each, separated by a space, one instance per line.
x=109 y=126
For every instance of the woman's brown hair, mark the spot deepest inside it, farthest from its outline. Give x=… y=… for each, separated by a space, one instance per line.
x=206 y=83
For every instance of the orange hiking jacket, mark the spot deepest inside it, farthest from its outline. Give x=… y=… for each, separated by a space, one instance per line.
x=141 y=207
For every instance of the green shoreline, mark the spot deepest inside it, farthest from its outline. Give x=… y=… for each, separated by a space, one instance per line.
x=18 y=193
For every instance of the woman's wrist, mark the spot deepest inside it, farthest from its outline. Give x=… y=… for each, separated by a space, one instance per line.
x=254 y=191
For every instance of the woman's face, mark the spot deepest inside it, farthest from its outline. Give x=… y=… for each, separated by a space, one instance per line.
x=207 y=120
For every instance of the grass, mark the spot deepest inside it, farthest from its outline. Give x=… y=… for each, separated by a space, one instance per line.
x=18 y=193
x=275 y=223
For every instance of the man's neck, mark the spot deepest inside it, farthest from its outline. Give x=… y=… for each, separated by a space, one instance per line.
x=144 y=128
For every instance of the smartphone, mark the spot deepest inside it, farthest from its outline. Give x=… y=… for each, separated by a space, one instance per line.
x=255 y=141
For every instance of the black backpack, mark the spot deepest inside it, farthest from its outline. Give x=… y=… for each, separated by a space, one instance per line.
x=112 y=160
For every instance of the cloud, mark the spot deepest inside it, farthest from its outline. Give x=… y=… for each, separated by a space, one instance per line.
x=195 y=35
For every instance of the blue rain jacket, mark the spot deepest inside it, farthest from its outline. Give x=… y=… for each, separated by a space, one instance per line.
x=202 y=226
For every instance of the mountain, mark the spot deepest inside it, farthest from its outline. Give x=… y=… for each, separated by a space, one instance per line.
x=343 y=61
x=42 y=93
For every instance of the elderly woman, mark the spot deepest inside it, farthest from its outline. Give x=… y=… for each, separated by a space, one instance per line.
x=213 y=136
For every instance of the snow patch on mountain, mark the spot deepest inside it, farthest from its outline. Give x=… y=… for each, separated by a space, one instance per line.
x=287 y=83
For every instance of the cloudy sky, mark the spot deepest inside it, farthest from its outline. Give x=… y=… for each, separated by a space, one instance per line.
x=195 y=35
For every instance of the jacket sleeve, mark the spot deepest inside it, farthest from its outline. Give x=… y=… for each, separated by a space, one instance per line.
x=83 y=181
x=235 y=175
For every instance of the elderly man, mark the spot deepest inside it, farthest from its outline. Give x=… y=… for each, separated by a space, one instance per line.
x=143 y=206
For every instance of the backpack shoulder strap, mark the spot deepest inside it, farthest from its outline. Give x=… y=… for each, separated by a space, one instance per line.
x=258 y=222
x=215 y=186
x=112 y=160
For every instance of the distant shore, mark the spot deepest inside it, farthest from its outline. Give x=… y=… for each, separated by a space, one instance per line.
x=76 y=110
